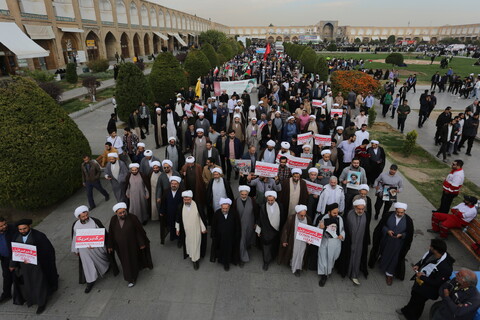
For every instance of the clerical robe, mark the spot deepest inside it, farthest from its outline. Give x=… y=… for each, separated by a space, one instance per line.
x=191 y=223
x=331 y=245
x=248 y=212
x=294 y=253
x=225 y=233
x=137 y=193
x=270 y=222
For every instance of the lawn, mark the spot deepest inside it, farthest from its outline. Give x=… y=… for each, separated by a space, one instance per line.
x=74 y=105
x=461 y=66
x=422 y=169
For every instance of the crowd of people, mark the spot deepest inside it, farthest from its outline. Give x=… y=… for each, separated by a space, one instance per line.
x=187 y=188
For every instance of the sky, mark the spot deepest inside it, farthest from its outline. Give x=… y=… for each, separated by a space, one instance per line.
x=347 y=12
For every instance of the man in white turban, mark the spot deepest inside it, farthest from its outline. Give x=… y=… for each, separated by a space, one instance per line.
x=353 y=257
x=138 y=194
x=292 y=251
x=94 y=261
x=217 y=189
x=226 y=232
x=247 y=210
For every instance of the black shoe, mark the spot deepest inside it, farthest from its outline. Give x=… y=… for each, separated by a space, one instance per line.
x=107 y=197
x=89 y=287
x=196 y=265
x=297 y=273
x=91 y=208
x=179 y=244
x=265 y=266
x=449 y=154
x=145 y=223
x=468 y=154
x=40 y=309
x=4 y=298
x=323 y=280
x=157 y=147
x=241 y=264
x=226 y=267
x=455 y=153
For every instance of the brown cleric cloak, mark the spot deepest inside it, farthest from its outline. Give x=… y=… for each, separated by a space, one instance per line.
x=192 y=176
x=288 y=235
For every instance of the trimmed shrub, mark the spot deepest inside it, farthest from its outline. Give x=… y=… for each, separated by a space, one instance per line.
x=332 y=47
x=99 y=65
x=166 y=78
x=372 y=116
x=409 y=143
x=132 y=88
x=211 y=55
x=45 y=147
x=394 y=58
x=214 y=37
x=321 y=68
x=357 y=81
x=308 y=59
x=249 y=42
x=197 y=65
x=71 y=73
x=52 y=89
x=226 y=50
x=40 y=75
x=391 y=39
x=221 y=59
x=91 y=83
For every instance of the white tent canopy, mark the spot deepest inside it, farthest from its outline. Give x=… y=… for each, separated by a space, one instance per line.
x=40 y=32
x=179 y=39
x=73 y=30
x=161 y=35
x=16 y=41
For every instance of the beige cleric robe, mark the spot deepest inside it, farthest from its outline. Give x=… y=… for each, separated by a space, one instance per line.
x=194 y=227
x=294 y=197
x=153 y=199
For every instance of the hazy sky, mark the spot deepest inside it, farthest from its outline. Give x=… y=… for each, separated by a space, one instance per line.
x=347 y=12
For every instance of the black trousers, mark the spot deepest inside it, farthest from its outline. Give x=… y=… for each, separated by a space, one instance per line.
x=469 y=142
x=7 y=277
x=446 y=202
x=378 y=206
x=443 y=150
x=97 y=185
x=414 y=309
x=422 y=117
x=401 y=124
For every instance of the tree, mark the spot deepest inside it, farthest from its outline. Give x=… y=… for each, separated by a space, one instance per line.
x=197 y=65
x=391 y=39
x=166 y=78
x=91 y=83
x=221 y=59
x=321 y=68
x=44 y=147
x=240 y=46
x=332 y=47
x=395 y=59
x=71 y=73
x=99 y=65
x=226 y=50
x=308 y=59
x=52 y=89
x=211 y=55
x=214 y=37
x=132 y=88
x=249 y=42
x=357 y=40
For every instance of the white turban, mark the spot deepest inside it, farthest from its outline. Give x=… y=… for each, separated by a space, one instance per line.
x=187 y=194
x=148 y=153
x=271 y=143
x=260 y=102
x=112 y=155
x=313 y=170
x=217 y=170
x=306 y=146
x=80 y=210
x=313 y=116
x=201 y=114
x=133 y=165
x=190 y=159
x=254 y=119
x=300 y=208
x=326 y=151
x=172 y=138
x=166 y=161
x=243 y=188
x=120 y=205
x=141 y=144
x=179 y=99
x=340 y=128
x=155 y=163
x=271 y=193
x=296 y=170
x=336 y=105
x=375 y=141
x=359 y=202
x=237 y=107
x=175 y=178
x=285 y=145
x=200 y=130
x=400 y=205
x=290 y=118
x=363 y=187
x=252 y=108
x=157 y=109
x=225 y=201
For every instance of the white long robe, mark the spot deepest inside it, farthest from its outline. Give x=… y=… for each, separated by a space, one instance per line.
x=94 y=261
x=193 y=225
x=154 y=183
x=298 y=249
x=329 y=249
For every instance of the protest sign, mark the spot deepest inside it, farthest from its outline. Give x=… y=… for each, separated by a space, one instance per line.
x=389 y=193
x=24 y=253
x=298 y=163
x=234 y=86
x=353 y=179
x=89 y=238
x=306 y=156
x=323 y=140
x=309 y=234
x=314 y=188
x=197 y=108
x=304 y=138
x=333 y=112
x=265 y=169
x=242 y=166
x=325 y=171
x=316 y=103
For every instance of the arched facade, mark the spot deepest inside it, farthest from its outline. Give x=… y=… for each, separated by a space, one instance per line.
x=121 y=12
x=110 y=46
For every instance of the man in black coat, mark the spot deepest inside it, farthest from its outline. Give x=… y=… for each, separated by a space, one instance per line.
x=442 y=119
x=34 y=283
x=376 y=161
x=433 y=270
x=8 y=232
x=446 y=137
x=112 y=123
x=470 y=129
x=213 y=193
x=170 y=201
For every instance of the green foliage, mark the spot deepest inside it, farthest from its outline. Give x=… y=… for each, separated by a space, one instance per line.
x=308 y=59
x=221 y=59
x=99 y=65
x=44 y=144
x=321 y=68
x=40 y=75
x=391 y=39
x=249 y=42
x=52 y=89
x=91 y=83
x=99 y=75
x=372 y=116
x=211 y=55
x=240 y=46
x=450 y=41
x=132 y=88
x=214 y=37
x=357 y=40
x=197 y=65
x=395 y=59
x=332 y=47
x=409 y=144
x=166 y=78
x=226 y=50
x=71 y=73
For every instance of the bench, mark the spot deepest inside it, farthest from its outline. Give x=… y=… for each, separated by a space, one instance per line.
x=468 y=236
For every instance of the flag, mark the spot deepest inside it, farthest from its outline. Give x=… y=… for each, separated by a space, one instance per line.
x=267 y=52
x=198 y=88
x=215 y=71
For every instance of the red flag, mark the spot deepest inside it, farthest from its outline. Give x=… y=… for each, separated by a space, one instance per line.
x=267 y=52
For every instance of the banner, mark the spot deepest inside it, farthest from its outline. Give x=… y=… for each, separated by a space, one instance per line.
x=309 y=234
x=323 y=140
x=24 y=253
x=243 y=166
x=314 y=188
x=316 y=103
x=234 y=86
x=265 y=169
x=298 y=163
x=307 y=156
x=304 y=138
x=260 y=50
x=333 y=112
x=89 y=238
x=279 y=155
x=197 y=108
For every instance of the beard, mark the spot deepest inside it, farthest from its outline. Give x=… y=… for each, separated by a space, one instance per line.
x=84 y=221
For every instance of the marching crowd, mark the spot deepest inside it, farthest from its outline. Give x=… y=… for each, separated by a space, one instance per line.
x=187 y=188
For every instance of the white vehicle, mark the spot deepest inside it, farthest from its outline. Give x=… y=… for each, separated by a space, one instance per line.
x=279 y=47
x=456 y=47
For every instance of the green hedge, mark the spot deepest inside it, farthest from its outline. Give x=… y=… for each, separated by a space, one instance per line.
x=99 y=65
x=211 y=55
x=42 y=145
x=166 y=78
x=226 y=50
x=394 y=58
x=321 y=68
x=197 y=65
x=71 y=73
x=308 y=59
